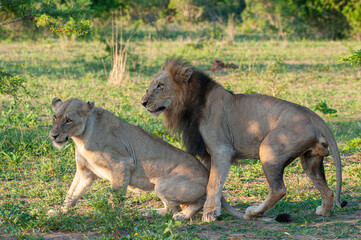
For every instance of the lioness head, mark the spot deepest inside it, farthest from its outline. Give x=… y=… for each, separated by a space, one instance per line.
x=69 y=119
x=166 y=86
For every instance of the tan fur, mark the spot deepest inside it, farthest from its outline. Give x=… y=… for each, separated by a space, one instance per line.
x=238 y=126
x=126 y=155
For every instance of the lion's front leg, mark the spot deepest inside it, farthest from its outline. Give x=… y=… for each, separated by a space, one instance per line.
x=220 y=167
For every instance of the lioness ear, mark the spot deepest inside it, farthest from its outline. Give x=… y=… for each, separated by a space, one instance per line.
x=187 y=75
x=87 y=108
x=56 y=103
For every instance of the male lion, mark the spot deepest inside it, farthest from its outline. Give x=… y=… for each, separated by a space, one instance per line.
x=126 y=155
x=221 y=127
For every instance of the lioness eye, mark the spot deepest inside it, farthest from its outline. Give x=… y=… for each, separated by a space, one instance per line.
x=159 y=86
x=54 y=118
x=68 y=121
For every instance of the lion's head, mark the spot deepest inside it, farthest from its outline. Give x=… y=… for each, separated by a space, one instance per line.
x=69 y=119
x=167 y=86
x=179 y=90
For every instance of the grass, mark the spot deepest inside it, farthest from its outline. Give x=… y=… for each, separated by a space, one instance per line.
x=34 y=176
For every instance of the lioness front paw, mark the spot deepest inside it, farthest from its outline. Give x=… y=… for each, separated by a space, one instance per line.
x=209 y=216
x=52 y=212
x=322 y=212
x=145 y=212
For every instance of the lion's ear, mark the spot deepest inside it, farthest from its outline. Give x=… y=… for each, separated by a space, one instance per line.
x=187 y=74
x=56 y=103
x=90 y=106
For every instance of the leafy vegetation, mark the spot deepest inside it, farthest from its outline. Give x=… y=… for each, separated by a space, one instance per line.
x=322 y=106
x=281 y=19
x=353 y=58
x=58 y=16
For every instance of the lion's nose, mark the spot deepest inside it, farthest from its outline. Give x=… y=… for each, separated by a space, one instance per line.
x=54 y=135
x=144 y=103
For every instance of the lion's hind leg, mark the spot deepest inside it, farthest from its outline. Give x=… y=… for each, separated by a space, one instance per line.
x=312 y=163
x=277 y=191
x=276 y=151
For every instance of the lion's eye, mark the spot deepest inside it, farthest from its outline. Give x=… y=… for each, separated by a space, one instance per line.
x=54 y=118
x=68 y=121
x=160 y=86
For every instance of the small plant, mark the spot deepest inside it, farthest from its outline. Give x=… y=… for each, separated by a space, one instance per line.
x=277 y=65
x=353 y=58
x=353 y=145
x=273 y=70
x=322 y=106
x=169 y=229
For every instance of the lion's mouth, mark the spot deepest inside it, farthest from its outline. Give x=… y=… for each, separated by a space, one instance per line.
x=158 y=110
x=61 y=142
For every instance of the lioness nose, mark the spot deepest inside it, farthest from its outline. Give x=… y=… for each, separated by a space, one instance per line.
x=144 y=103
x=54 y=135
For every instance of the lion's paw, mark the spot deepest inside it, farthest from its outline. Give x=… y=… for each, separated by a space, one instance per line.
x=251 y=211
x=322 y=212
x=52 y=212
x=179 y=217
x=145 y=212
x=209 y=216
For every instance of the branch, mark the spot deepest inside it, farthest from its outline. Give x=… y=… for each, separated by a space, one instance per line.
x=17 y=20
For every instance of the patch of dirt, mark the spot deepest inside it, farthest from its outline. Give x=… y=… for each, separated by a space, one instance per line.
x=219 y=65
x=68 y=236
x=62 y=236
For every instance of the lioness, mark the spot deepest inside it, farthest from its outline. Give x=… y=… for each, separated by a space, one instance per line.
x=221 y=127
x=125 y=155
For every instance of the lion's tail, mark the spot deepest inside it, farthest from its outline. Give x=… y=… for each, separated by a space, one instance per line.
x=284 y=217
x=231 y=210
x=328 y=135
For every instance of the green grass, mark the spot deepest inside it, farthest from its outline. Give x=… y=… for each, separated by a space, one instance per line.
x=34 y=176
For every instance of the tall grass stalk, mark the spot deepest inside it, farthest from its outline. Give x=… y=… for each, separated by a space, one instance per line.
x=231 y=29
x=118 y=74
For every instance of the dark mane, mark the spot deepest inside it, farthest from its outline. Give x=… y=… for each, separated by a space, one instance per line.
x=190 y=99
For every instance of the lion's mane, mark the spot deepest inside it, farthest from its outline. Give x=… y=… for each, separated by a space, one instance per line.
x=188 y=105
